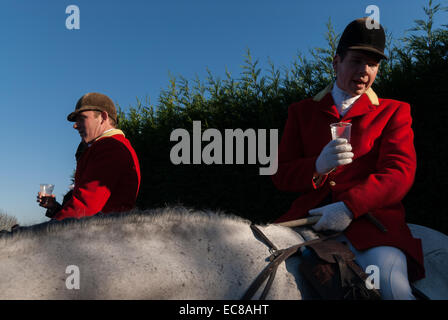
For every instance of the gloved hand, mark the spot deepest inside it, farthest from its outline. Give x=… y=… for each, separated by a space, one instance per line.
x=335 y=216
x=335 y=153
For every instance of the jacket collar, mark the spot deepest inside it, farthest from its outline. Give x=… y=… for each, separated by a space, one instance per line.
x=108 y=133
x=366 y=103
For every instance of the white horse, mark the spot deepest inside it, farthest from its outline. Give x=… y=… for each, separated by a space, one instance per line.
x=171 y=253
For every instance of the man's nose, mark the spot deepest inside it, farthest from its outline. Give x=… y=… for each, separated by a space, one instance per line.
x=363 y=68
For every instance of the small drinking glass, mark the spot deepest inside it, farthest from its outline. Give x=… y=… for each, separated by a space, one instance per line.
x=46 y=190
x=341 y=130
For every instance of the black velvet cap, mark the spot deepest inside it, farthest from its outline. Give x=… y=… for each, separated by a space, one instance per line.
x=357 y=36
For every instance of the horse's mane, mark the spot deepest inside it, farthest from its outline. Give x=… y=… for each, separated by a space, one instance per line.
x=158 y=216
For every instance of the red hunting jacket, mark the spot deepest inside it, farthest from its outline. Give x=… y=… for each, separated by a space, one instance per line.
x=381 y=174
x=107 y=178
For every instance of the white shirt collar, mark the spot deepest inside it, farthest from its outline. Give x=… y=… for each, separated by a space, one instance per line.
x=342 y=99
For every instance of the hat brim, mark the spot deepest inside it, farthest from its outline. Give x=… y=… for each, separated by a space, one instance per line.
x=72 y=116
x=369 y=49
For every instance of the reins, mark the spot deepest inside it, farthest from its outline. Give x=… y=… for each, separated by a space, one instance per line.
x=277 y=257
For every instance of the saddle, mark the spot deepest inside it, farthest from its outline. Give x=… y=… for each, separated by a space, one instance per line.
x=330 y=268
x=328 y=265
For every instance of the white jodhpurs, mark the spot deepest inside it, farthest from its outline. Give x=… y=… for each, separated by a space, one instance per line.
x=392 y=266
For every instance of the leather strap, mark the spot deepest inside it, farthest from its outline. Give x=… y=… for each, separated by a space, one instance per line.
x=259 y=233
x=277 y=257
x=343 y=271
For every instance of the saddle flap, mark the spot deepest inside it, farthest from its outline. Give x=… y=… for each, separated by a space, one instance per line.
x=326 y=250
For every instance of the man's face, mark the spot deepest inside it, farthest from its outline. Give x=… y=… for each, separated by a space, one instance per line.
x=89 y=125
x=356 y=73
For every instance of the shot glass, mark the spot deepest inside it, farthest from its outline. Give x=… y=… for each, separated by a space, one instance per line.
x=46 y=190
x=341 y=130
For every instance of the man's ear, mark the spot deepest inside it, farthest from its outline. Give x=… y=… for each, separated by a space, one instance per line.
x=104 y=116
x=336 y=60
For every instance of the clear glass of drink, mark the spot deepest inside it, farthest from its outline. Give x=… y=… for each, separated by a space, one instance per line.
x=341 y=130
x=46 y=190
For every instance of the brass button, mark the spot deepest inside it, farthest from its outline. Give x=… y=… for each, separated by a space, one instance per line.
x=332 y=183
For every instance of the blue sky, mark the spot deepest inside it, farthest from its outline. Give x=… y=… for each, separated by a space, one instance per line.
x=126 y=49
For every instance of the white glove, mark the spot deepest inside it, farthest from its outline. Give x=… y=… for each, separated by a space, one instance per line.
x=335 y=153
x=335 y=216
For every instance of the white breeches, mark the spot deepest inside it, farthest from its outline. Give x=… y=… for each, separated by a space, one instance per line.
x=392 y=267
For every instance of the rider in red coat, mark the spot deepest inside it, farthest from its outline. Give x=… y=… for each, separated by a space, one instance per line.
x=346 y=182
x=107 y=177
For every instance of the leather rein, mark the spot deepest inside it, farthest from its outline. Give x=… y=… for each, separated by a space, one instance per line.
x=277 y=256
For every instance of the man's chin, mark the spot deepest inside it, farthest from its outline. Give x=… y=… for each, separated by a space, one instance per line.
x=358 y=91
x=355 y=91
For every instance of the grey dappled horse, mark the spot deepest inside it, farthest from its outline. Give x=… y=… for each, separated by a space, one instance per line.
x=171 y=253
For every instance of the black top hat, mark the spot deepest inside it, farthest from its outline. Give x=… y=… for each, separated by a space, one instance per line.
x=357 y=36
